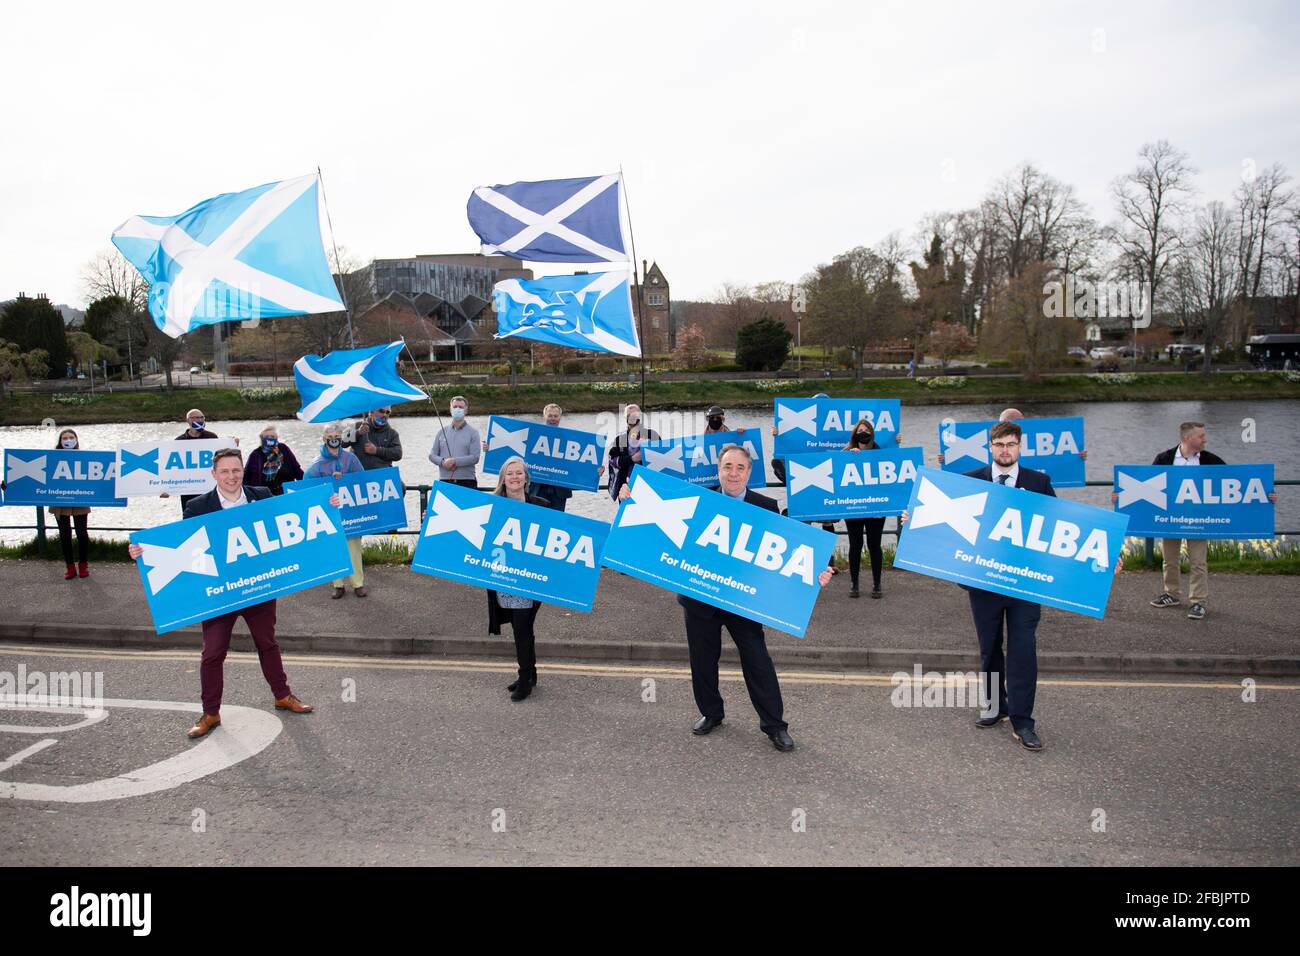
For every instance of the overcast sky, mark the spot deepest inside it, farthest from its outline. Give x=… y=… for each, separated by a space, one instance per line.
x=757 y=139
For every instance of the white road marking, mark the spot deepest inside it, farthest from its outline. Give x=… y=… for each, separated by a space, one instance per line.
x=244 y=732
x=26 y=752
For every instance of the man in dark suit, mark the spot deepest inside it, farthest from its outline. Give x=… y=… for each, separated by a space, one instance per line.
x=704 y=624
x=1017 y=668
x=231 y=492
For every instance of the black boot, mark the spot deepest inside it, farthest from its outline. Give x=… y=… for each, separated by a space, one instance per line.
x=523 y=687
x=515 y=684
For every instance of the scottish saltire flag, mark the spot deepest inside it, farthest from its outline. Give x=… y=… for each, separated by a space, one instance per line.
x=351 y=381
x=246 y=255
x=556 y=220
x=579 y=312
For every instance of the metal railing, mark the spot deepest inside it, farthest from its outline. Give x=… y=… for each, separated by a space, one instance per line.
x=423 y=491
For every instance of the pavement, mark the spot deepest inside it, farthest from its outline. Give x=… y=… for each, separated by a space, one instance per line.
x=1251 y=627
x=410 y=761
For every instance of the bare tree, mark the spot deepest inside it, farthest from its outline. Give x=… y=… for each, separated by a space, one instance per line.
x=1263 y=203
x=1150 y=203
x=1208 y=274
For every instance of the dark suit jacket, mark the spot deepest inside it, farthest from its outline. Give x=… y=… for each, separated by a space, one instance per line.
x=207 y=503
x=699 y=608
x=1028 y=479
x=1207 y=458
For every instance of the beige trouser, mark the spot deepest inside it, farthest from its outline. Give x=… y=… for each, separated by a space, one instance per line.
x=1196 y=550
x=358 y=572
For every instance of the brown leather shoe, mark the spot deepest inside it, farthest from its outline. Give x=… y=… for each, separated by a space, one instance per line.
x=205 y=725
x=359 y=591
x=294 y=704
x=338 y=593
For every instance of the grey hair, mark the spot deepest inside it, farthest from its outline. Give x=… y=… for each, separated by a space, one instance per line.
x=734 y=447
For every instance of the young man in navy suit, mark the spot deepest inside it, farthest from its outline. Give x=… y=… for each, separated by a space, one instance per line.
x=1017 y=668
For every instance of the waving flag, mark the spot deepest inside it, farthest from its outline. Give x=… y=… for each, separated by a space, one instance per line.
x=579 y=312
x=351 y=381
x=256 y=253
x=556 y=220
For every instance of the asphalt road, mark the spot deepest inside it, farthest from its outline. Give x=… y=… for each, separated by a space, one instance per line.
x=433 y=764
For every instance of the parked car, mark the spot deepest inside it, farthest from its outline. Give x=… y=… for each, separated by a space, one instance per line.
x=195 y=370
x=1107 y=360
x=1076 y=352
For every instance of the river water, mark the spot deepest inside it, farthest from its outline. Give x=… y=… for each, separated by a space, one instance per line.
x=1117 y=433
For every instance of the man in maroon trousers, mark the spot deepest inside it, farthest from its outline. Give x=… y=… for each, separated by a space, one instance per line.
x=231 y=492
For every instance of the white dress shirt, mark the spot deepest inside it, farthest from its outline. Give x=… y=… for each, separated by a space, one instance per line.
x=1013 y=472
x=226 y=503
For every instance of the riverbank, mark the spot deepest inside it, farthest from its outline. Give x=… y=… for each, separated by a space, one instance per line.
x=270 y=404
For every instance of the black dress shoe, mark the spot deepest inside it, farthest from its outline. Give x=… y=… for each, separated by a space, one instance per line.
x=512 y=686
x=1028 y=739
x=781 y=740
x=990 y=721
x=522 y=689
x=853 y=591
x=706 y=725
x=875 y=593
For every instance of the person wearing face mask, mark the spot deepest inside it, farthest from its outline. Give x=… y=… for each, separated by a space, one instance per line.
x=625 y=453
x=377 y=444
x=717 y=421
x=195 y=428
x=271 y=463
x=513 y=609
x=864 y=439
x=456 y=449
x=335 y=461
x=71 y=517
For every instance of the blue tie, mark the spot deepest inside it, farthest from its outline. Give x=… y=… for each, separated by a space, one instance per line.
x=1002 y=479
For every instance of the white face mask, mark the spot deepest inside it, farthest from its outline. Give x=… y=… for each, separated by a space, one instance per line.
x=69 y=443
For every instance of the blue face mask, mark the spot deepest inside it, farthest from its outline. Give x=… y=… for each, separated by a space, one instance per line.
x=457 y=413
x=69 y=443
x=379 y=421
x=270 y=442
x=197 y=424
